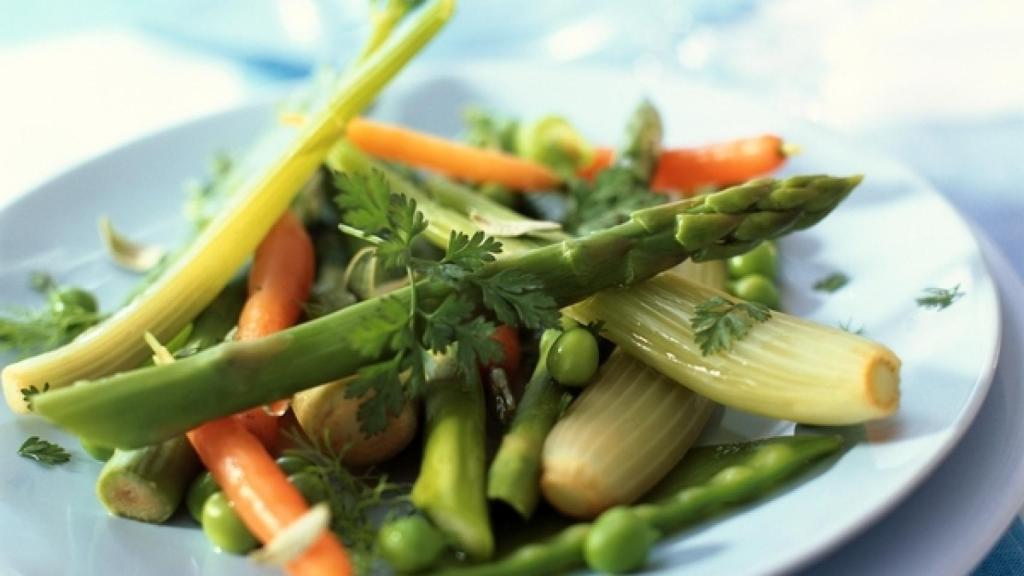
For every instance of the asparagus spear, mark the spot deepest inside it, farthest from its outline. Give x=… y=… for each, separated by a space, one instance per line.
x=196 y=277
x=451 y=485
x=515 y=471
x=148 y=483
x=152 y=404
x=791 y=369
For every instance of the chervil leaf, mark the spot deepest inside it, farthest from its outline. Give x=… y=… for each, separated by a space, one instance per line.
x=42 y=451
x=380 y=387
x=718 y=323
x=832 y=282
x=518 y=299
x=470 y=253
x=939 y=298
x=382 y=332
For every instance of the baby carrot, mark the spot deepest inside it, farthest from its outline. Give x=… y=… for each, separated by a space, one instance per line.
x=724 y=163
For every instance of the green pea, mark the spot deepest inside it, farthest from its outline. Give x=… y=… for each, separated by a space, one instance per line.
x=310 y=485
x=410 y=544
x=573 y=358
x=101 y=453
x=292 y=464
x=732 y=476
x=764 y=260
x=619 y=541
x=756 y=288
x=73 y=298
x=772 y=457
x=201 y=488
x=224 y=528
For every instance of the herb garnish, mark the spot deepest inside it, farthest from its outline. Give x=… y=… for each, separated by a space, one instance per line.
x=69 y=312
x=488 y=130
x=939 y=298
x=410 y=325
x=35 y=448
x=353 y=499
x=832 y=282
x=718 y=323
x=28 y=393
x=612 y=196
x=848 y=327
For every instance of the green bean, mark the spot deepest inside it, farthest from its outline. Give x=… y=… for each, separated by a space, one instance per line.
x=708 y=479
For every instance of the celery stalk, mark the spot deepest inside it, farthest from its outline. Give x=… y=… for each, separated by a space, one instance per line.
x=214 y=257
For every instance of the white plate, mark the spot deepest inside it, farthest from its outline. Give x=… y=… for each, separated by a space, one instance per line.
x=894 y=237
x=951 y=522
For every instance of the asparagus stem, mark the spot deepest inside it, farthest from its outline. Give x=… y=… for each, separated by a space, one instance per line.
x=205 y=268
x=148 y=483
x=712 y=478
x=152 y=404
x=451 y=485
x=515 y=471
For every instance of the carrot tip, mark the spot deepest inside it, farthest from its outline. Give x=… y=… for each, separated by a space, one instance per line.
x=788 y=149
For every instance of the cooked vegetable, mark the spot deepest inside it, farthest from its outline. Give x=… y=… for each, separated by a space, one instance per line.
x=555 y=143
x=721 y=164
x=410 y=544
x=621 y=436
x=309 y=485
x=514 y=474
x=756 y=288
x=126 y=253
x=762 y=260
x=573 y=358
x=198 y=275
x=328 y=411
x=202 y=487
x=603 y=158
x=619 y=542
x=451 y=486
x=101 y=453
x=785 y=368
x=385 y=15
x=279 y=284
x=400 y=144
x=149 y=405
x=148 y=483
x=640 y=154
x=708 y=480
x=223 y=527
x=261 y=494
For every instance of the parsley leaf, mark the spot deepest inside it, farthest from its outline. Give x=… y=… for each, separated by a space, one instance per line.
x=939 y=298
x=470 y=253
x=518 y=299
x=848 y=327
x=382 y=332
x=42 y=451
x=718 y=323
x=69 y=312
x=382 y=381
x=392 y=219
x=832 y=282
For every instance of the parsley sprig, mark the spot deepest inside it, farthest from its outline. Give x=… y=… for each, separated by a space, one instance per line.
x=42 y=451
x=69 y=311
x=408 y=326
x=613 y=195
x=719 y=323
x=939 y=298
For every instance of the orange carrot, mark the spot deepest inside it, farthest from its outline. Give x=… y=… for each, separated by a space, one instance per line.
x=262 y=495
x=603 y=158
x=454 y=159
x=687 y=169
x=508 y=338
x=279 y=282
